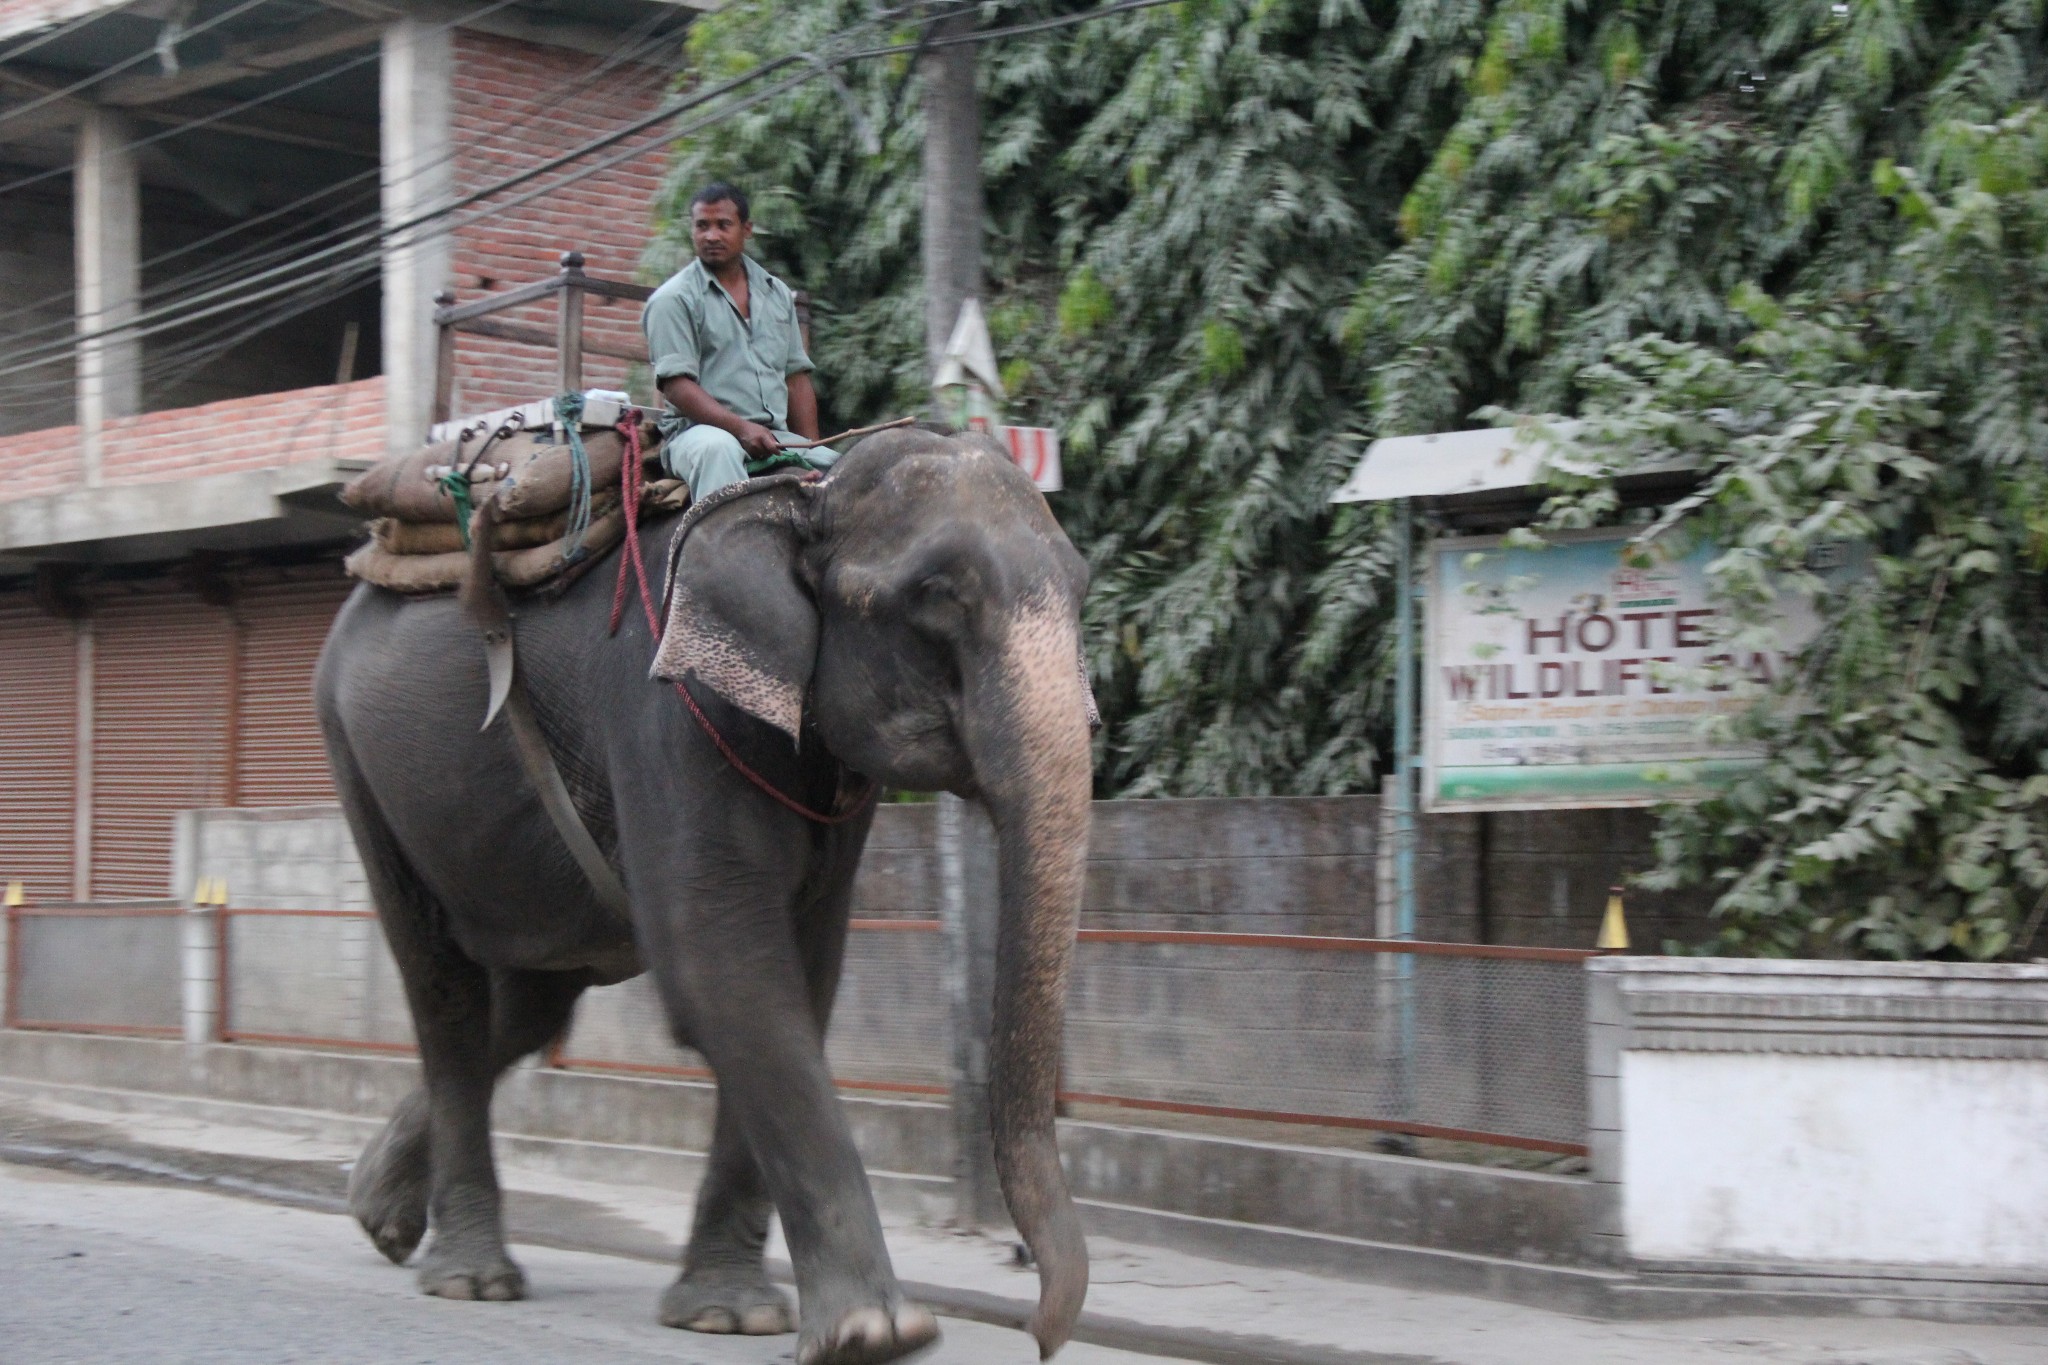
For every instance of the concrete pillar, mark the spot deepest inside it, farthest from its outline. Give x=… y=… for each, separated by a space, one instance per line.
x=967 y=914
x=107 y=244
x=952 y=186
x=199 y=951
x=200 y=959
x=82 y=765
x=416 y=70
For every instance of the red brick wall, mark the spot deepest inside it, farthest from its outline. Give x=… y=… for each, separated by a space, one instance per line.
x=337 y=421
x=517 y=104
x=36 y=462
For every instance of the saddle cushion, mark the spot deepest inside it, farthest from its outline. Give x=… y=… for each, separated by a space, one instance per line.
x=443 y=537
x=527 y=568
x=529 y=474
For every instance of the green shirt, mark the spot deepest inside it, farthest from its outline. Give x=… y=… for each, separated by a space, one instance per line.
x=695 y=330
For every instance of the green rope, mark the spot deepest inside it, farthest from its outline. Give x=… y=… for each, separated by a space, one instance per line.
x=569 y=411
x=455 y=483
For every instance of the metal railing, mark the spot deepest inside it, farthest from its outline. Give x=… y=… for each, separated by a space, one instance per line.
x=316 y=978
x=568 y=287
x=1471 y=1042
x=889 y=1022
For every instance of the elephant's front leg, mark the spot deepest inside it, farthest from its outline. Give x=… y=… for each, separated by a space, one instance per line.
x=724 y=1286
x=749 y=1011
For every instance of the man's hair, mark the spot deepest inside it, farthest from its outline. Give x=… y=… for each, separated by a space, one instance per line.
x=718 y=191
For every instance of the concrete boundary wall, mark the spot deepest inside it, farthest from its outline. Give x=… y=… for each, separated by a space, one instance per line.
x=1822 y=1129
x=1295 y=865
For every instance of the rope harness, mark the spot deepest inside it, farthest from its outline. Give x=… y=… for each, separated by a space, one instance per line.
x=631 y=479
x=569 y=411
x=455 y=483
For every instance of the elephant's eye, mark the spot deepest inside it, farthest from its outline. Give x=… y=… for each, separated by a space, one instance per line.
x=939 y=604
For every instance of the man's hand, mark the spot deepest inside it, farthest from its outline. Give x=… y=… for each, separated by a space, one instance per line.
x=692 y=402
x=757 y=440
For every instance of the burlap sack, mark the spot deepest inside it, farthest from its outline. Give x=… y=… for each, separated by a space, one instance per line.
x=526 y=568
x=529 y=473
x=399 y=487
x=538 y=483
x=442 y=537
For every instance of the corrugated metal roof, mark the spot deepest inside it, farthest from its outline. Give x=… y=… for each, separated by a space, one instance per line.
x=1490 y=466
x=1492 y=460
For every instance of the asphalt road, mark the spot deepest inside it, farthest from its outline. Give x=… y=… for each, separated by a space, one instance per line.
x=107 y=1273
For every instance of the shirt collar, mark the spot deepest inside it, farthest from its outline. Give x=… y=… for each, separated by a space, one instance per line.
x=757 y=274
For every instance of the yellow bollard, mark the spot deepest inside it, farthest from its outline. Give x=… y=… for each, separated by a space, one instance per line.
x=1613 y=926
x=16 y=897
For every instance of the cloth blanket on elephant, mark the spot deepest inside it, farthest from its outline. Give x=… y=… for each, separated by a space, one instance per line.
x=557 y=492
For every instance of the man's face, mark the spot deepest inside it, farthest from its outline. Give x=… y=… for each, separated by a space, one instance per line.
x=718 y=232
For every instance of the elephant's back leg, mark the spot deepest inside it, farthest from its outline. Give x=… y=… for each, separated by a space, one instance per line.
x=389 y=1188
x=450 y=997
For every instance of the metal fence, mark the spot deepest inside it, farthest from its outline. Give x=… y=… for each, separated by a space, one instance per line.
x=86 y=968
x=889 y=1024
x=320 y=978
x=1462 y=1041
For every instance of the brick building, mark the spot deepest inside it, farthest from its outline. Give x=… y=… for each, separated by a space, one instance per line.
x=222 y=226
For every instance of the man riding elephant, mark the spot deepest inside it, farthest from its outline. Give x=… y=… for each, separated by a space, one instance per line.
x=729 y=357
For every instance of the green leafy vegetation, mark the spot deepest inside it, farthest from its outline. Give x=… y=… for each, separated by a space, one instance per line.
x=1804 y=241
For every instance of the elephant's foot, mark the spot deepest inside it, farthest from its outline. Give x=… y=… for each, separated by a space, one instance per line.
x=387 y=1190
x=727 y=1301
x=868 y=1336
x=451 y=1274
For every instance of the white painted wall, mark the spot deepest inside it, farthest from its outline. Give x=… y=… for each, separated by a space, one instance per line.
x=1894 y=1160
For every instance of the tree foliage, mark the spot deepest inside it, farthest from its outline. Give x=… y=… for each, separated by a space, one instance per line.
x=1801 y=240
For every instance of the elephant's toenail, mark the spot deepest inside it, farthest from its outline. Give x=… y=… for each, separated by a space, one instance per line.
x=764 y=1320
x=914 y=1322
x=868 y=1326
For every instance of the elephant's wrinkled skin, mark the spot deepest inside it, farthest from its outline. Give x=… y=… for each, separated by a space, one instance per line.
x=914 y=615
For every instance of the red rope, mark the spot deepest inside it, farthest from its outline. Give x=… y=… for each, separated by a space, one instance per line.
x=630 y=482
x=630 y=479
x=740 y=766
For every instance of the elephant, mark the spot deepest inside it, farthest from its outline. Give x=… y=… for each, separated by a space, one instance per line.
x=911 y=619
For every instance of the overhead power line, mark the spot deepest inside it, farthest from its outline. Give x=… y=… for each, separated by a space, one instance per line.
x=638 y=43
x=263 y=285
x=126 y=63
x=65 y=30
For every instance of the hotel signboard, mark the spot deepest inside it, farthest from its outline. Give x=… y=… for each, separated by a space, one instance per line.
x=1582 y=673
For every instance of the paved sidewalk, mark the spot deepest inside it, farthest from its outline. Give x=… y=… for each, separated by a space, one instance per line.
x=1144 y=1299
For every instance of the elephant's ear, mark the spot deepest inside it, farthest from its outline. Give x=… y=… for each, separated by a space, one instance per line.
x=740 y=617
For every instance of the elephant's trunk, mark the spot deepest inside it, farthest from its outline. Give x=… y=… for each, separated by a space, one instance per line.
x=1032 y=763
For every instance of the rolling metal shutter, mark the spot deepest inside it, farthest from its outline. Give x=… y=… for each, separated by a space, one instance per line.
x=38 y=749
x=279 y=760
x=159 y=742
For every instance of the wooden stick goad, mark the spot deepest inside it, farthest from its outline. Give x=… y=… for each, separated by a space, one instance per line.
x=849 y=435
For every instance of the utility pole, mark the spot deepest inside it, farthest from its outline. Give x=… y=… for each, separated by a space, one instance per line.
x=966 y=843
x=952 y=184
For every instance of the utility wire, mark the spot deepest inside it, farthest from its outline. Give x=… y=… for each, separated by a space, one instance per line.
x=226 y=298
x=639 y=42
x=65 y=30
x=634 y=47
x=17 y=110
